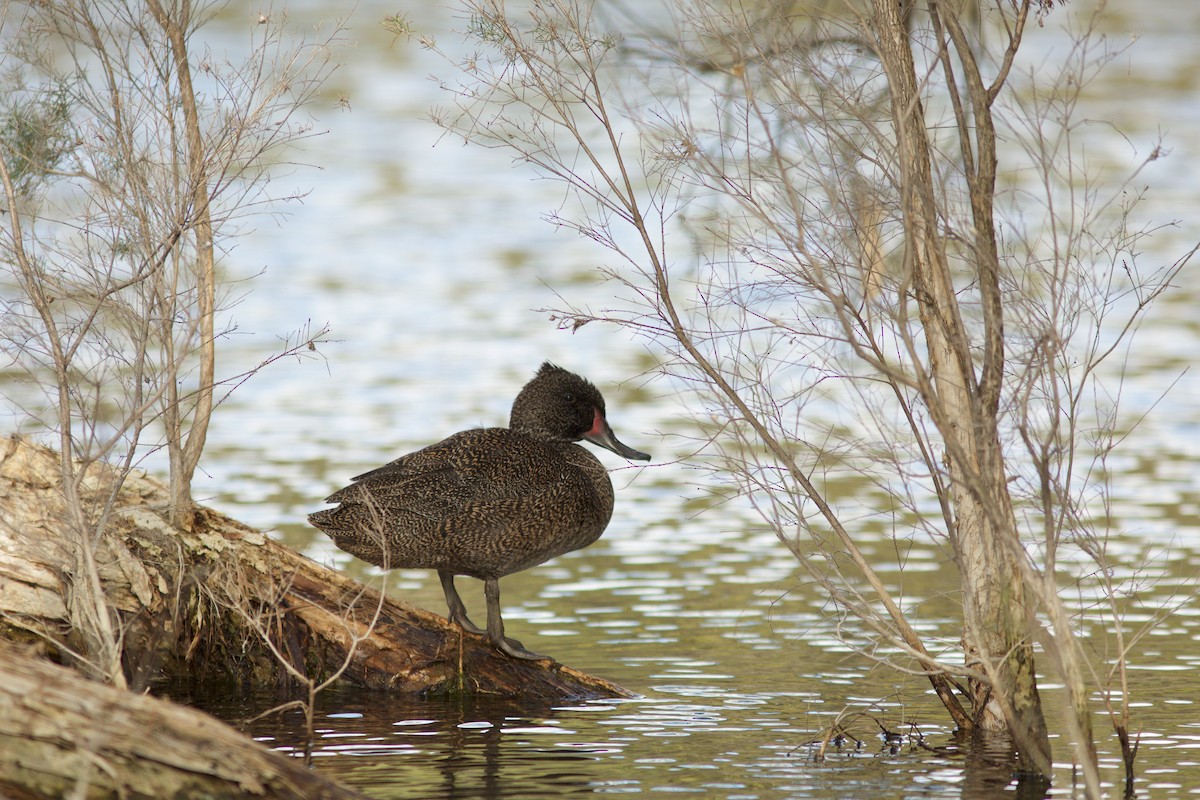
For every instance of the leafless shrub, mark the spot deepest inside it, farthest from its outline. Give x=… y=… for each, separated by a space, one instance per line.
x=814 y=232
x=128 y=156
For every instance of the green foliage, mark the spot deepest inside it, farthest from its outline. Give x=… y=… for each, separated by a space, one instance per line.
x=486 y=30
x=36 y=133
x=398 y=25
x=546 y=32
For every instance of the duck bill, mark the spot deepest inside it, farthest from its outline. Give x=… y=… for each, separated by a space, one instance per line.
x=602 y=434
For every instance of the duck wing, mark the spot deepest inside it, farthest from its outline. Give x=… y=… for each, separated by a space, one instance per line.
x=485 y=503
x=458 y=473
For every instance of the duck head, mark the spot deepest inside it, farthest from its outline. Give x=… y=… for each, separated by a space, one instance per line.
x=560 y=406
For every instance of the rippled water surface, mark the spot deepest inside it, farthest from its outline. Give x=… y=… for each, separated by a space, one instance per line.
x=705 y=740
x=427 y=262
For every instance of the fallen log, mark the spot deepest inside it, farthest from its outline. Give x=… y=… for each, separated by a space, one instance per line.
x=223 y=602
x=62 y=735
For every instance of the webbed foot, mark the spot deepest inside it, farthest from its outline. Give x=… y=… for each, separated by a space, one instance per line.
x=458 y=611
x=463 y=621
x=495 y=626
x=514 y=649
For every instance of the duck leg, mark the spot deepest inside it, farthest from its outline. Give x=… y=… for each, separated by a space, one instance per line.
x=458 y=611
x=495 y=626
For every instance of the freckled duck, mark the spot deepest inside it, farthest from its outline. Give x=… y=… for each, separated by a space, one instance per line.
x=488 y=502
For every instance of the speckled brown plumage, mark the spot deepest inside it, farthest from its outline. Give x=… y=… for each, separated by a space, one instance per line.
x=488 y=502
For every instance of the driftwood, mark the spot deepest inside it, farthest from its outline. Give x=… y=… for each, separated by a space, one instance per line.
x=202 y=604
x=62 y=735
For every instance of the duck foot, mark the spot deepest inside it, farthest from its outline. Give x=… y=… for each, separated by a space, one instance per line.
x=495 y=626
x=461 y=620
x=514 y=649
x=458 y=611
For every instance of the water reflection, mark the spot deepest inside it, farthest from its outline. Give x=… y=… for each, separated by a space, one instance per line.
x=394 y=747
x=452 y=750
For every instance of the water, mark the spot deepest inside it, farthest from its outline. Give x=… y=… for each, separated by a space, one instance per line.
x=710 y=744
x=427 y=262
